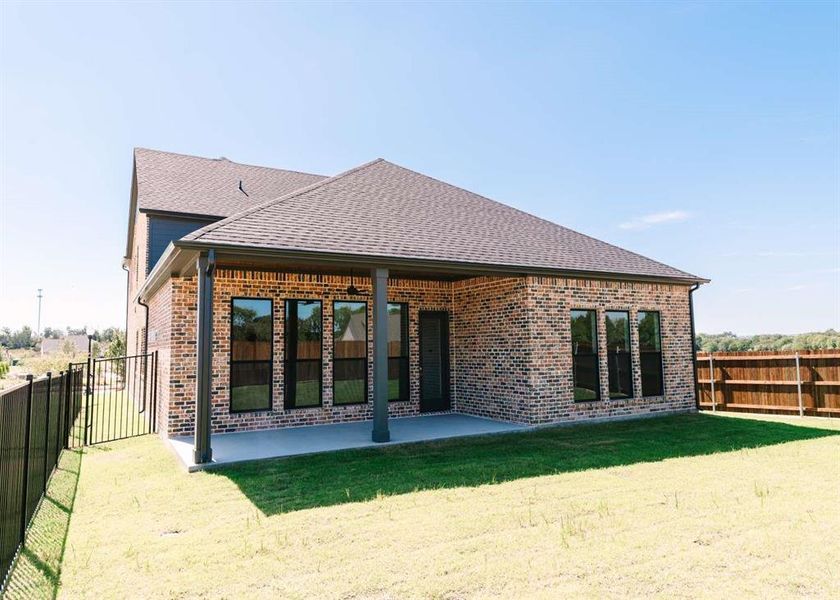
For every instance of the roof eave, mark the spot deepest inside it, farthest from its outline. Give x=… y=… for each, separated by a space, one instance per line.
x=178 y=257
x=428 y=263
x=177 y=213
x=172 y=262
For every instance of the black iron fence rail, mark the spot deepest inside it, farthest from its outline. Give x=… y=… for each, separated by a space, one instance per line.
x=35 y=421
x=121 y=398
x=96 y=401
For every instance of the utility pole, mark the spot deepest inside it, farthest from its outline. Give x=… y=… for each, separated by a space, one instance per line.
x=38 y=329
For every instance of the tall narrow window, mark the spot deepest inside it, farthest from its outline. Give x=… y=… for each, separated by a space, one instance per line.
x=650 y=353
x=250 y=354
x=349 y=352
x=303 y=353
x=618 y=354
x=585 y=356
x=398 y=352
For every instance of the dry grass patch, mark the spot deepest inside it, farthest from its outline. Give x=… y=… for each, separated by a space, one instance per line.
x=751 y=522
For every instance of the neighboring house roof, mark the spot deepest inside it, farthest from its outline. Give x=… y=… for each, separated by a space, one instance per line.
x=380 y=209
x=178 y=183
x=53 y=345
x=356 y=331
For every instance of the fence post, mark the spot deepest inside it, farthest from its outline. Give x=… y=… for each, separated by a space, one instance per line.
x=90 y=384
x=154 y=392
x=47 y=430
x=68 y=406
x=58 y=420
x=712 y=380
x=799 y=387
x=88 y=394
x=24 y=506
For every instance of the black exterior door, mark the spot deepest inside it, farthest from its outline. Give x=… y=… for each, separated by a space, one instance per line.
x=434 y=361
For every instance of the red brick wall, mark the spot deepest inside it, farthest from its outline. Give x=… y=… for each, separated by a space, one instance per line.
x=510 y=346
x=160 y=326
x=491 y=348
x=550 y=302
x=420 y=295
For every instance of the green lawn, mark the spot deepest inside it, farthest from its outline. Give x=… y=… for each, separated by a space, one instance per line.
x=349 y=391
x=115 y=414
x=583 y=394
x=688 y=506
x=36 y=574
x=250 y=397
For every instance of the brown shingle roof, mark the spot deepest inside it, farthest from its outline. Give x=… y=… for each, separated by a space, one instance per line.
x=384 y=210
x=208 y=186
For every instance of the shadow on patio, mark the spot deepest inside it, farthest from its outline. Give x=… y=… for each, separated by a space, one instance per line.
x=285 y=485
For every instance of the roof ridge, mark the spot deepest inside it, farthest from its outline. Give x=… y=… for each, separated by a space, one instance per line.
x=244 y=213
x=533 y=216
x=136 y=148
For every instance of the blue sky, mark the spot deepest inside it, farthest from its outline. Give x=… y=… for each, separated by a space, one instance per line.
x=706 y=136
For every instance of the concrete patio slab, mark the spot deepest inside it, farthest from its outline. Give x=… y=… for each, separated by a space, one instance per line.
x=229 y=448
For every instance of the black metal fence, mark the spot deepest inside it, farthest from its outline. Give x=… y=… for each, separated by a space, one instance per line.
x=92 y=402
x=122 y=398
x=35 y=422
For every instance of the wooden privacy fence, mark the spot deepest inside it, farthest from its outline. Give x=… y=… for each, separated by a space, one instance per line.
x=804 y=383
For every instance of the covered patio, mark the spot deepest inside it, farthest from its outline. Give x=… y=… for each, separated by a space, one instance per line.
x=230 y=448
x=376 y=279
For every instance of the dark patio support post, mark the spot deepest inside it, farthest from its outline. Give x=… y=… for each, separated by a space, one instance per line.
x=203 y=453
x=379 y=277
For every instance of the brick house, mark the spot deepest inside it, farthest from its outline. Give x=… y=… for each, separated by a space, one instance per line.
x=276 y=298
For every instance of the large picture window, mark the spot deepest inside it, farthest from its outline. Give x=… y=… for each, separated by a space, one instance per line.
x=303 y=363
x=398 y=388
x=350 y=352
x=618 y=354
x=251 y=354
x=650 y=353
x=585 y=356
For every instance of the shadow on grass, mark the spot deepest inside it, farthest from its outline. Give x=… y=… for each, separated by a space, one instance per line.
x=37 y=570
x=285 y=485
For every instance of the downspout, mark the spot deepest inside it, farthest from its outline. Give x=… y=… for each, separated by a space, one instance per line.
x=691 y=291
x=145 y=328
x=141 y=303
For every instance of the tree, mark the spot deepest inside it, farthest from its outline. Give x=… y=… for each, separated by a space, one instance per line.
x=116 y=347
x=68 y=348
x=729 y=342
x=22 y=338
x=107 y=335
x=51 y=333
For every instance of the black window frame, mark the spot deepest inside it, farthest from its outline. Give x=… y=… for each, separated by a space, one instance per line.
x=364 y=358
x=622 y=356
x=595 y=354
x=405 y=353
x=660 y=362
x=290 y=374
x=231 y=362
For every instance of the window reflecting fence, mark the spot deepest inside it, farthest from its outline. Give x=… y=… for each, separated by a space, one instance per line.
x=95 y=401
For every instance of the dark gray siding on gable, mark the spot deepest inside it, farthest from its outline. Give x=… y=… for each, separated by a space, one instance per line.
x=163 y=230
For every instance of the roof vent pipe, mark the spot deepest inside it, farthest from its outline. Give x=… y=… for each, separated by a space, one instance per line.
x=241 y=189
